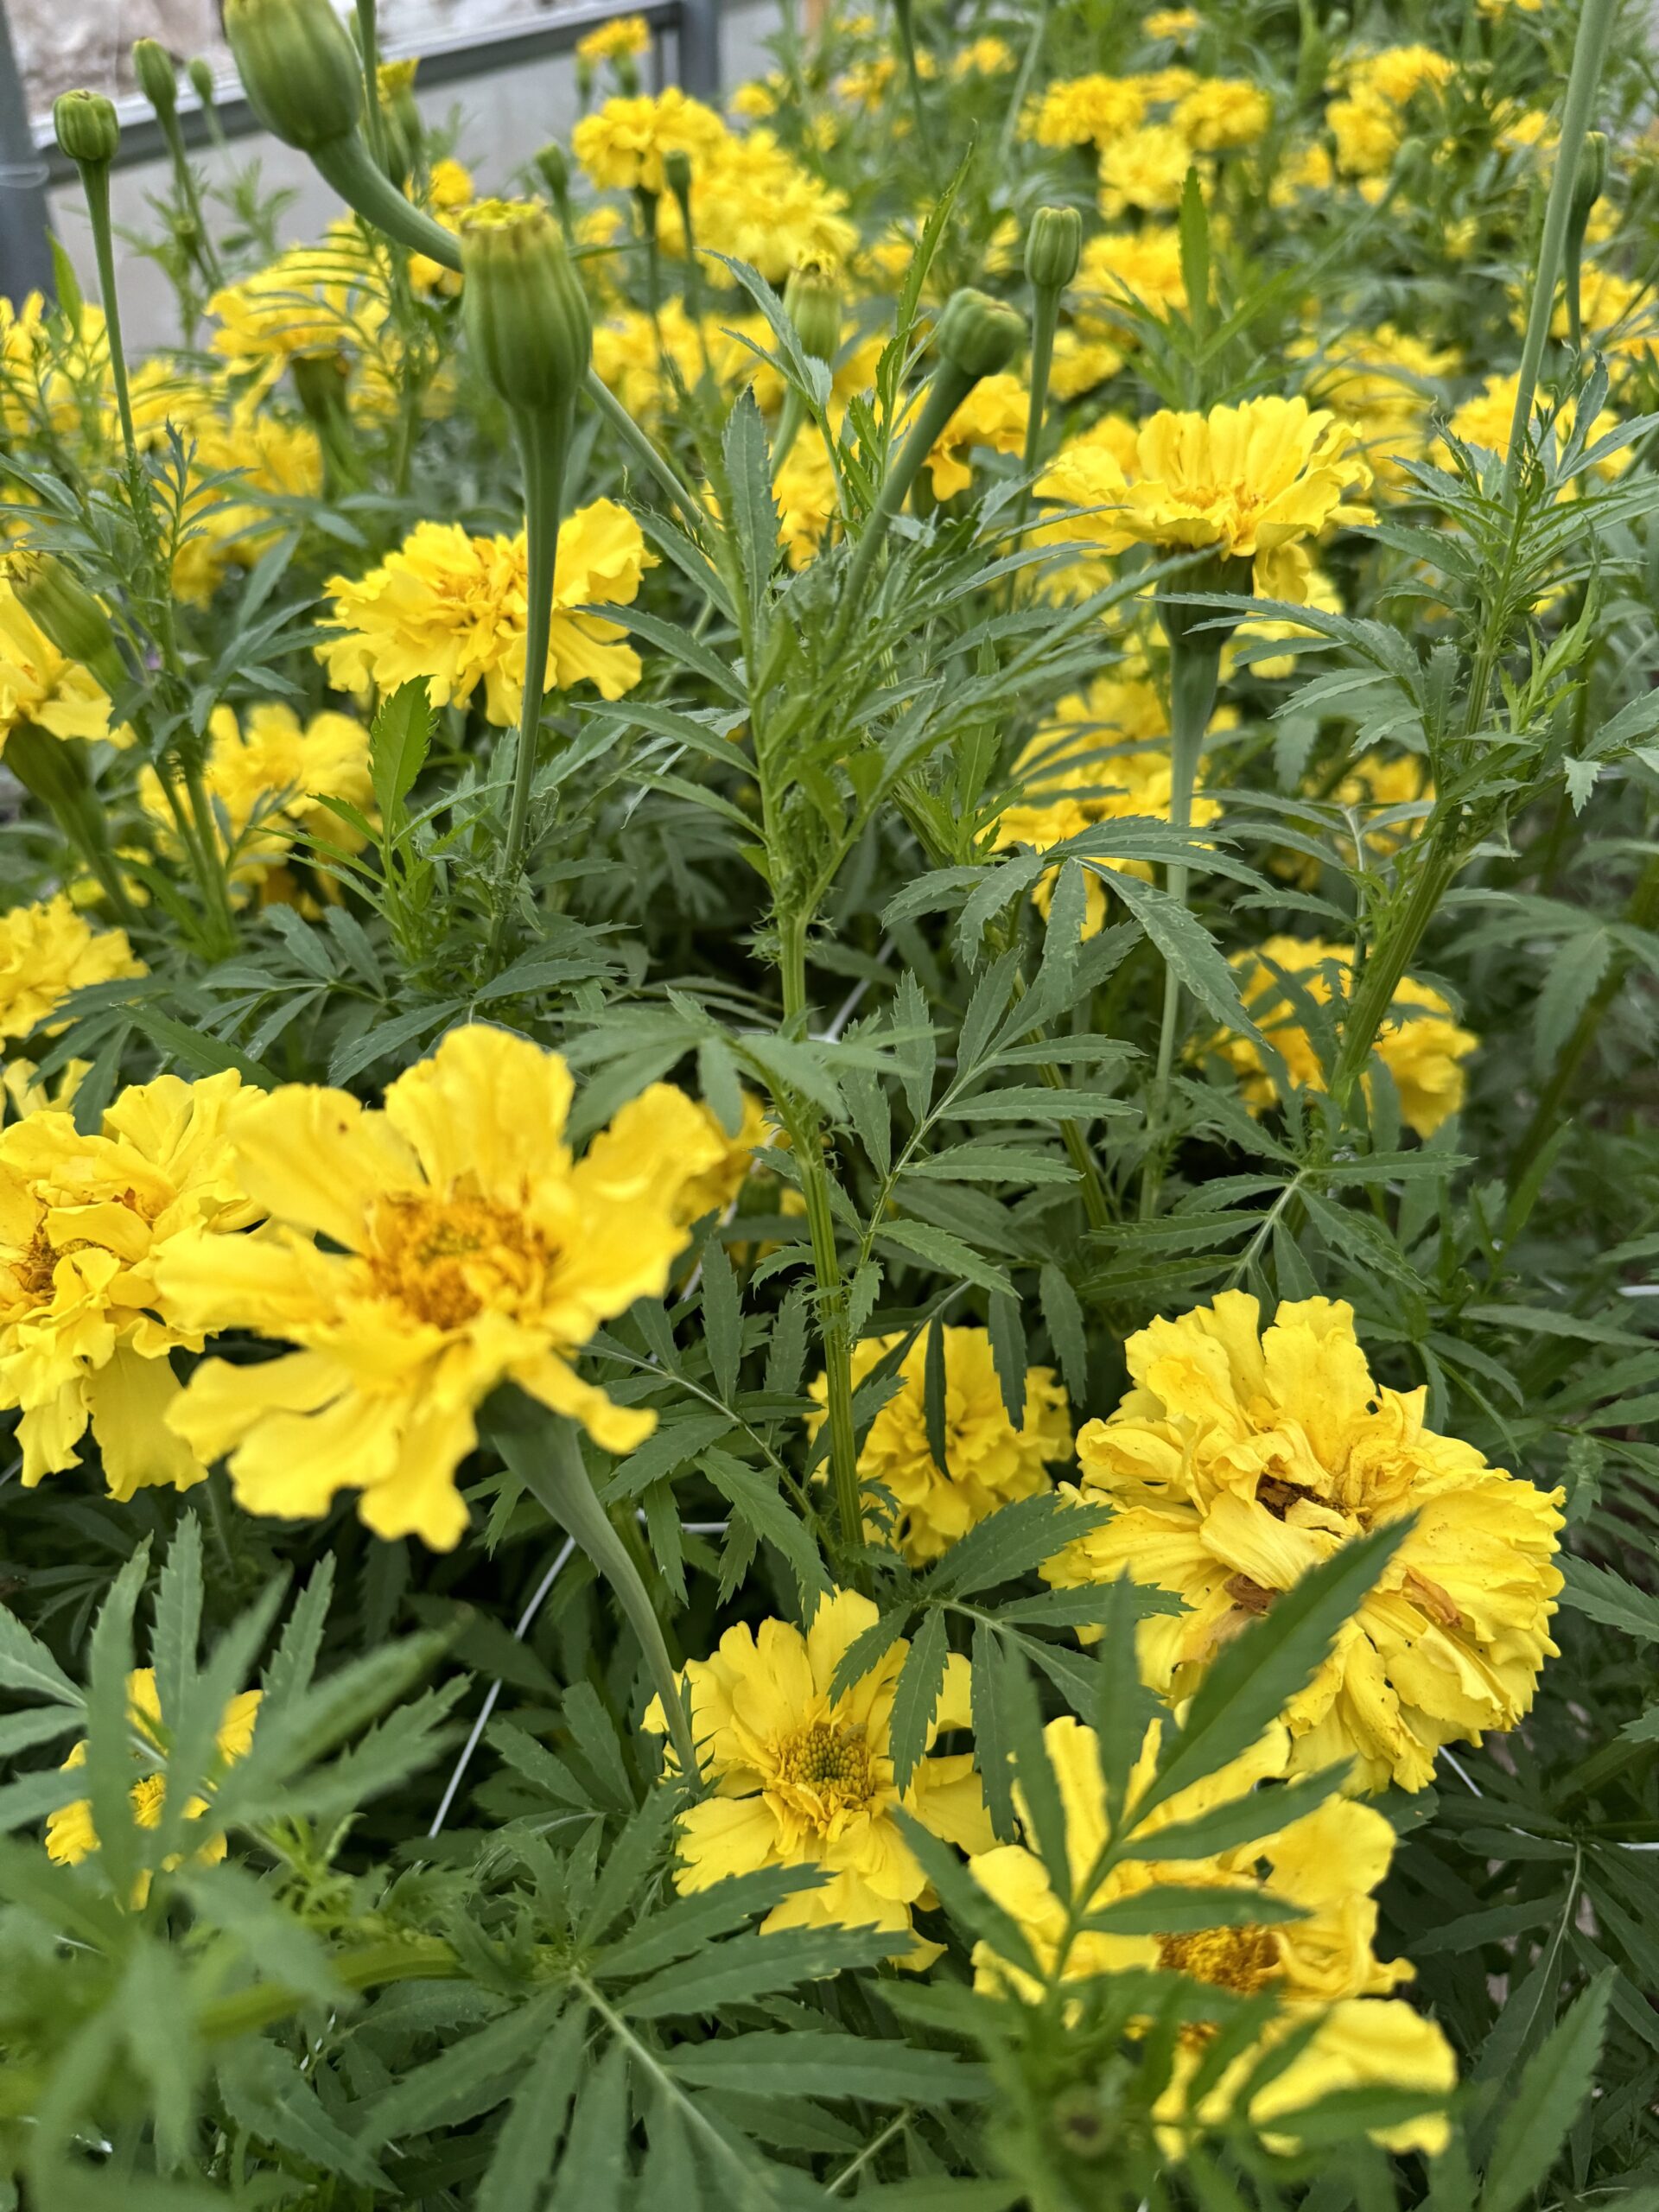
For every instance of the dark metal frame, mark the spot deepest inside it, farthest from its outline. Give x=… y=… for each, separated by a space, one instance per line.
x=31 y=161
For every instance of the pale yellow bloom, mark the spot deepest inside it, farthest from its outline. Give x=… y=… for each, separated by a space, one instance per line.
x=809 y=498
x=1173 y=22
x=1485 y=421
x=466 y=1247
x=1397 y=74
x=85 y=1219
x=987 y=1461
x=1242 y=1457
x=54 y=373
x=451 y=607
x=800 y=1779
x=1322 y=1968
x=312 y=300
x=984 y=57
x=1369 y=133
x=1385 y=383
x=1146 y=264
x=47 y=950
x=753 y=201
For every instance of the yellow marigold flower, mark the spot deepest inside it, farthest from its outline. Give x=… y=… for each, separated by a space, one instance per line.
x=1322 y=1968
x=984 y=57
x=1618 y=314
x=70 y=1835
x=1308 y=169
x=1144 y=169
x=1374 y=786
x=450 y=606
x=23 y=1091
x=989 y=1462
x=1146 y=264
x=1384 y=383
x=756 y=100
x=1079 y=109
x=1369 y=133
x=84 y=1330
x=995 y=413
x=313 y=300
x=620 y=39
x=1484 y=421
x=1421 y=1044
x=716 y=1186
x=1241 y=1458
x=809 y=498
x=1079 y=364
x=800 y=1780
x=1399 y=73
x=466 y=1249
x=1220 y=113
x=755 y=202
x=270 y=779
x=1250 y=482
x=622 y=145
x=450 y=193
x=47 y=950
x=54 y=373
x=1173 y=22
x=231 y=524
x=41 y=689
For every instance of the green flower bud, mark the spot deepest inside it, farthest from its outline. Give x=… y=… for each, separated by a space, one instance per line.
x=298 y=69
x=158 y=78
x=64 y=612
x=395 y=87
x=1591 y=180
x=977 y=334
x=553 y=165
x=676 y=171
x=812 y=302
x=526 y=314
x=199 y=72
x=51 y=769
x=1053 y=248
x=87 y=128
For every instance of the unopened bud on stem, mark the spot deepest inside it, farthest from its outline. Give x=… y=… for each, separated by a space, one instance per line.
x=977 y=334
x=158 y=80
x=812 y=302
x=1054 y=247
x=299 y=68
x=526 y=314
x=66 y=612
x=87 y=128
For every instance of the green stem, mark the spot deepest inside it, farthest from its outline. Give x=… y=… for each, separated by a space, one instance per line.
x=368 y=39
x=95 y=181
x=1386 y=964
x=645 y=450
x=184 y=177
x=1022 y=84
x=949 y=387
x=789 y=428
x=543 y=442
x=214 y=884
x=1045 y=319
x=349 y=166
x=425 y=1958
x=913 y=75
x=561 y=1482
x=1641 y=914
x=1589 y=55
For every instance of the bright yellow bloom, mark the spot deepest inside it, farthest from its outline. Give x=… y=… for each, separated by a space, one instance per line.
x=1173 y=22
x=619 y=40
x=753 y=201
x=42 y=691
x=1484 y=421
x=450 y=195
x=231 y=524
x=799 y=1780
x=450 y=606
x=1309 y=169
x=1241 y=1458
x=987 y=1461
x=466 y=1249
x=1618 y=314
x=1079 y=364
x=716 y=1186
x=1323 y=1968
x=271 y=777
x=984 y=57
x=622 y=145
x=84 y=1330
x=1220 y=113
x=23 y=1091
x=54 y=373
x=756 y=100
x=1144 y=169
x=47 y=950
x=1369 y=134
x=1144 y=264
x=995 y=413
x=809 y=498
x=1398 y=73
x=867 y=83
x=1080 y=108
x=1384 y=383
x=1419 y=1045
x=1248 y=482
x=70 y=1835
x=312 y=300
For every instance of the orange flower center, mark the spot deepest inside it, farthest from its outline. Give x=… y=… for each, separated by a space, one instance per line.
x=1240 y=1959
x=445 y=1259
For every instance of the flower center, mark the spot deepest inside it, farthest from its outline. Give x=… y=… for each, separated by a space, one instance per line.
x=829 y=1761
x=1242 y=1958
x=445 y=1259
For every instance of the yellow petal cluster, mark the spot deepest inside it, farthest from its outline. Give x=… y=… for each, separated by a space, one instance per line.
x=987 y=1461
x=1144 y=169
x=315 y=301
x=1485 y=421
x=753 y=201
x=47 y=950
x=995 y=413
x=798 y=1778
x=70 y=1835
x=1385 y=383
x=267 y=775
x=1420 y=1043
x=54 y=370
x=622 y=145
x=40 y=689
x=417 y=1257
x=84 y=1222
x=620 y=39
x=1322 y=1968
x=1242 y=1457
x=1079 y=110
x=450 y=607
x=1223 y=112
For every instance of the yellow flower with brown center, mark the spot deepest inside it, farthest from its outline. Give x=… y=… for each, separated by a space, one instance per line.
x=1421 y=1044
x=84 y=1330
x=1242 y=1457
x=621 y=146
x=451 y=607
x=798 y=1778
x=47 y=950
x=465 y=1248
x=987 y=1461
x=70 y=1835
x=1250 y=482
x=268 y=776
x=1322 y=1968
x=42 y=689
x=1077 y=110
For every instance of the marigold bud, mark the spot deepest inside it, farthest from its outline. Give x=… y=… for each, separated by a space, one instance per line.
x=158 y=78
x=299 y=68
x=812 y=302
x=64 y=612
x=1592 y=180
x=977 y=334
x=199 y=71
x=395 y=88
x=526 y=312
x=677 y=172
x=1053 y=248
x=553 y=165
x=88 y=130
